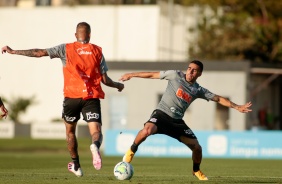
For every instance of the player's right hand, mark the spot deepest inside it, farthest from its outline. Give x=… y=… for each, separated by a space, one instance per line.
x=6 y=49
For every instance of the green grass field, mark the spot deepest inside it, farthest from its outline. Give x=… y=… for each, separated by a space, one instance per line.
x=24 y=160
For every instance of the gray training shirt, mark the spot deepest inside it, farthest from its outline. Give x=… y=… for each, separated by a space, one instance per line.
x=60 y=52
x=179 y=94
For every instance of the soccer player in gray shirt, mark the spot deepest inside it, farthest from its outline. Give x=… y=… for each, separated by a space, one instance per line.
x=181 y=91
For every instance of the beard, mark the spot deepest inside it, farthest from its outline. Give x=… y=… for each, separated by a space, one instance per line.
x=84 y=41
x=190 y=78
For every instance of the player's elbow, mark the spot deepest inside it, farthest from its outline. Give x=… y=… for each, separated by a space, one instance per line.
x=40 y=53
x=105 y=81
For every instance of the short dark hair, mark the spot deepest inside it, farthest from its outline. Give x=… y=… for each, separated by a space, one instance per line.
x=199 y=63
x=85 y=25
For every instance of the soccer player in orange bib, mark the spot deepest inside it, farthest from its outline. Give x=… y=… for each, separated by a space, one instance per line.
x=84 y=68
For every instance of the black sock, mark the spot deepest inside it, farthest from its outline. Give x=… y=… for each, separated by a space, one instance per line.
x=76 y=163
x=196 y=167
x=97 y=143
x=134 y=147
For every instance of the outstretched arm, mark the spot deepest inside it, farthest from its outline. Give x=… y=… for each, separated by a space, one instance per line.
x=150 y=75
x=225 y=102
x=29 y=53
x=109 y=82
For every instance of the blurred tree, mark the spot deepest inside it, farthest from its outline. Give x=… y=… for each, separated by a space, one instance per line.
x=238 y=29
x=18 y=106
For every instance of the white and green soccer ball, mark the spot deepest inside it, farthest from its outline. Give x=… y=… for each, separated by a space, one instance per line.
x=123 y=171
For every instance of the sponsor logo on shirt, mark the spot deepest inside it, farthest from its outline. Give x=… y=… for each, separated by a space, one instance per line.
x=81 y=51
x=180 y=93
x=193 y=90
x=173 y=109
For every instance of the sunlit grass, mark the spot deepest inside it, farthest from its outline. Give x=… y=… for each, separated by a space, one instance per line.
x=45 y=161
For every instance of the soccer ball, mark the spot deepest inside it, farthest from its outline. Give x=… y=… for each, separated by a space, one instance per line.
x=123 y=171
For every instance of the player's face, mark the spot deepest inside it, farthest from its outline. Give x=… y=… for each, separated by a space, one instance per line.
x=193 y=72
x=82 y=35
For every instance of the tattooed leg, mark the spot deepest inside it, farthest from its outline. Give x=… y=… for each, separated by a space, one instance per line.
x=72 y=143
x=95 y=132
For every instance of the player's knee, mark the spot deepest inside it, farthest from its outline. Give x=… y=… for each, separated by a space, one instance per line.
x=198 y=148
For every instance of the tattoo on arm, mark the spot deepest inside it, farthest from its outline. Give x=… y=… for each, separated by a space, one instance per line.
x=215 y=98
x=226 y=102
x=233 y=105
x=152 y=75
x=32 y=52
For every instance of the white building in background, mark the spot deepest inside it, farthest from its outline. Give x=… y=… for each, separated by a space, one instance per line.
x=133 y=38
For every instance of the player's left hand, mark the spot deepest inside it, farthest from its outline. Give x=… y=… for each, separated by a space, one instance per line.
x=245 y=108
x=120 y=86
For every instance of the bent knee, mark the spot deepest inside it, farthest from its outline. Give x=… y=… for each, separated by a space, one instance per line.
x=194 y=146
x=146 y=132
x=198 y=147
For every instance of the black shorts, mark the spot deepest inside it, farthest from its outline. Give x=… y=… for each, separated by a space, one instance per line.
x=90 y=109
x=169 y=126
